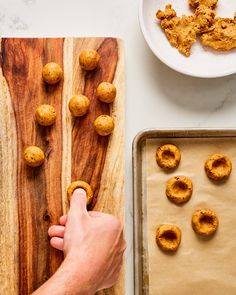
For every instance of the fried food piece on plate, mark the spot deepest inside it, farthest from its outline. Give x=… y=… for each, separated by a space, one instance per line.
x=180 y=31
x=222 y=35
x=204 y=18
x=208 y=3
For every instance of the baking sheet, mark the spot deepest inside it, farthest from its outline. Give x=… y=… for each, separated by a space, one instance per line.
x=199 y=266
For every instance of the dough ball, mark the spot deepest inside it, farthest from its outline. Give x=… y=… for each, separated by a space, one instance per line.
x=106 y=92
x=179 y=189
x=45 y=115
x=205 y=222
x=168 y=237
x=89 y=59
x=104 y=125
x=34 y=156
x=52 y=73
x=79 y=105
x=168 y=156
x=218 y=167
x=80 y=184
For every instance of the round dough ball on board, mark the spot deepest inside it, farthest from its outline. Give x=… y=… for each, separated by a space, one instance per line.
x=34 y=156
x=104 y=125
x=106 y=92
x=45 y=115
x=79 y=105
x=89 y=59
x=52 y=73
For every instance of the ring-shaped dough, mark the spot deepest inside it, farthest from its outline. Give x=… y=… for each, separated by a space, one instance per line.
x=179 y=189
x=80 y=184
x=205 y=222
x=168 y=156
x=79 y=105
x=218 y=167
x=168 y=237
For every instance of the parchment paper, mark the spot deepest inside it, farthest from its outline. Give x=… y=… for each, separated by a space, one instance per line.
x=199 y=267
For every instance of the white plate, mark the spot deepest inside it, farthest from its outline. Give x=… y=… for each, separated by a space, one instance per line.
x=203 y=62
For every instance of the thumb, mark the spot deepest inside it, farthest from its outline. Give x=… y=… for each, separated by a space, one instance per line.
x=78 y=203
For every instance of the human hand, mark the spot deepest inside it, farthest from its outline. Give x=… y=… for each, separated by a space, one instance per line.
x=92 y=242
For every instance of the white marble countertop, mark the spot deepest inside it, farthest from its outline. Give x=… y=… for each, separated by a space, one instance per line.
x=156 y=96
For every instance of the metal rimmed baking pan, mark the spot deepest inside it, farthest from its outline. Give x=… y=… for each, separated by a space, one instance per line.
x=139 y=193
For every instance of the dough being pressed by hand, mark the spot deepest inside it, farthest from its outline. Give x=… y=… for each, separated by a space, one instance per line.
x=80 y=184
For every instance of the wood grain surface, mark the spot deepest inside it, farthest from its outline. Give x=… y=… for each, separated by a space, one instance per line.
x=33 y=199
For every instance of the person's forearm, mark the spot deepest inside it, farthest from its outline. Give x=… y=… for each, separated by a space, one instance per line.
x=66 y=281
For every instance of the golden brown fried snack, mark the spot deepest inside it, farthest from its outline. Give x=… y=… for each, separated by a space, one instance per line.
x=45 y=115
x=218 y=167
x=80 y=184
x=204 y=18
x=168 y=156
x=168 y=13
x=52 y=73
x=180 y=31
x=168 y=237
x=104 y=125
x=34 y=156
x=208 y=3
x=222 y=35
x=205 y=222
x=179 y=189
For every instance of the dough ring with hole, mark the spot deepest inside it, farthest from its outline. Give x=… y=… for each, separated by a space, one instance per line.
x=179 y=189
x=218 y=167
x=168 y=156
x=168 y=237
x=205 y=222
x=80 y=184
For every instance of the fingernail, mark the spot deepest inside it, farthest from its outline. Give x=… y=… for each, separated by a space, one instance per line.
x=80 y=191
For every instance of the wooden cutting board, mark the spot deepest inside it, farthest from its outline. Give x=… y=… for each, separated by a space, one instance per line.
x=33 y=199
